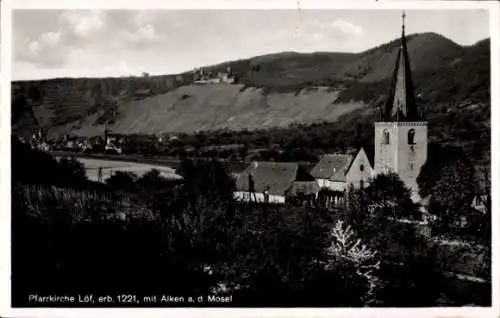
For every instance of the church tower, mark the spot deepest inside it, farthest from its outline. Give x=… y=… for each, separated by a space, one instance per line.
x=401 y=133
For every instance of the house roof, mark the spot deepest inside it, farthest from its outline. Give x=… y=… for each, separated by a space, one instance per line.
x=275 y=177
x=333 y=167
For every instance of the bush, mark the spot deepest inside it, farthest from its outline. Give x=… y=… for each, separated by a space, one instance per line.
x=34 y=167
x=122 y=181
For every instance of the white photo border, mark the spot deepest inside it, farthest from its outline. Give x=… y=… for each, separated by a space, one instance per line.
x=5 y=160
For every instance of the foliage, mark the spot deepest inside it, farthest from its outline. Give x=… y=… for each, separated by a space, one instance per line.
x=122 y=181
x=374 y=213
x=34 y=167
x=81 y=204
x=438 y=157
x=345 y=247
x=453 y=182
x=453 y=194
x=286 y=266
x=136 y=253
x=23 y=118
x=209 y=179
x=389 y=197
x=71 y=166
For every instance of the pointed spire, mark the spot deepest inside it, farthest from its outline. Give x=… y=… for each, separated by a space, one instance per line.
x=403 y=16
x=401 y=104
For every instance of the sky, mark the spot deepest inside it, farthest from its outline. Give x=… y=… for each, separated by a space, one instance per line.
x=111 y=43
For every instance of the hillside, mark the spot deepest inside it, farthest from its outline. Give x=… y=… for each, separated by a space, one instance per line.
x=273 y=91
x=220 y=106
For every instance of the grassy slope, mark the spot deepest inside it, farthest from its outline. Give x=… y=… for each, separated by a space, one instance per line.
x=444 y=71
x=230 y=106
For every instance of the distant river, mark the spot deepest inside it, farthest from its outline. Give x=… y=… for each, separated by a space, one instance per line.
x=111 y=166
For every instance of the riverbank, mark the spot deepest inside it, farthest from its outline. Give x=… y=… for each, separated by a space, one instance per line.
x=174 y=163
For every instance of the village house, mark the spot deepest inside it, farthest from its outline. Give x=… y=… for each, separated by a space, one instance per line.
x=276 y=182
x=112 y=142
x=336 y=173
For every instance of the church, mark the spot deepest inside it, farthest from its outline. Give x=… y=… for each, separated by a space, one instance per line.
x=400 y=140
x=401 y=134
x=400 y=143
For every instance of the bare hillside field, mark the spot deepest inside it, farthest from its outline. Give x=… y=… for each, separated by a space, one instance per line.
x=219 y=106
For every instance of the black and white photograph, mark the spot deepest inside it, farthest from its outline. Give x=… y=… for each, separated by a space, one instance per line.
x=256 y=158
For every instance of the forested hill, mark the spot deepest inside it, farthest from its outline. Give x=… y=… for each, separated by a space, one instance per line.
x=272 y=91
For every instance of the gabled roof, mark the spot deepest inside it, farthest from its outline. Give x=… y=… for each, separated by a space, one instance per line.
x=275 y=177
x=332 y=167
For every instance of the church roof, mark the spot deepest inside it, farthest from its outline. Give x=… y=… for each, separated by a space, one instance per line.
x=401 y=104
x=332 y=167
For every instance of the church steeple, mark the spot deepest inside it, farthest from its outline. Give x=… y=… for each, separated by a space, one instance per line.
x=401 y=135
x=401 y=105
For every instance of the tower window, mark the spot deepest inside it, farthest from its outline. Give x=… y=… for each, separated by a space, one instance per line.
x=362 y=168
x=411 y=137
x=386 y=137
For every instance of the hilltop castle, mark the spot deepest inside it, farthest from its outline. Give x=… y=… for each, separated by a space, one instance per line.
x=400 y=147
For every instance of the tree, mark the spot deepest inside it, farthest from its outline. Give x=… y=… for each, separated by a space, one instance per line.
x=374 y=213
x=122 y=181
x=388 y=195
x=209 y=179
x=159 y=193
x=275 y=256
x=439 y=157
x=358 y=212
x=345 y=247
x=30 y=166
x=452 y=194
x=152 y=181
x=73 y=167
